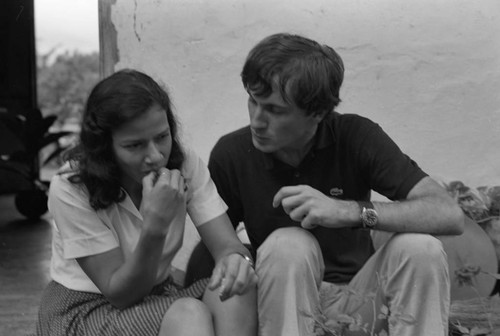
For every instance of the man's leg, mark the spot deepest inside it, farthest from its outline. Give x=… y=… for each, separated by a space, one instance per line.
x=290 y=268
x=409 y=275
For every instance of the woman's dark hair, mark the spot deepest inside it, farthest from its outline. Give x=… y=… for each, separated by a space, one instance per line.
x=307 y=74
x=118 y=99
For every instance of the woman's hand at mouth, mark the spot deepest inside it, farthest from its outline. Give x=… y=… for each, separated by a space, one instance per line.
x=163 y=194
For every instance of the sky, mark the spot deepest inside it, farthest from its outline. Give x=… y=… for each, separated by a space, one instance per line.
x=67 y=25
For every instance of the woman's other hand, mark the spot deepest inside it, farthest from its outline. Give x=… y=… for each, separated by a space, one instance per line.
x=233 y=275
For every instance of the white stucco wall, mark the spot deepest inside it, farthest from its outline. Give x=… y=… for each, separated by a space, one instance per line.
x=428 y=71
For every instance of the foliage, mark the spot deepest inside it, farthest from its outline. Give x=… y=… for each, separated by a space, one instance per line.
x=64 y=83
x=480 y=204
x=466 y=276
x=339 y=323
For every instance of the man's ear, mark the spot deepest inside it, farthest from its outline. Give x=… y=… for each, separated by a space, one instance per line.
x=319 y=115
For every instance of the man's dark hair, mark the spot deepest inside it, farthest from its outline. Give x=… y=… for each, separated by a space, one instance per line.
x=306 y=73
x=118 y=99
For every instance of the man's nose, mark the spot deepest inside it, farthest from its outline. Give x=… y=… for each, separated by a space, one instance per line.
x=257 y=117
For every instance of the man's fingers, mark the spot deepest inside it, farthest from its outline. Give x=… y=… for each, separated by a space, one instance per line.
x=293 y=203
x=308 y=223
x=298 y=213
x=285 y=192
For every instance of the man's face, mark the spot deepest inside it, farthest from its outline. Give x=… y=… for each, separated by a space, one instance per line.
x=278 y=126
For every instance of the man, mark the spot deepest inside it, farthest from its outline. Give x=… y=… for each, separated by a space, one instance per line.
x=299 y=177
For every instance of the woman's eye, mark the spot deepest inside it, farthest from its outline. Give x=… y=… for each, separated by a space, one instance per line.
x=162 y=137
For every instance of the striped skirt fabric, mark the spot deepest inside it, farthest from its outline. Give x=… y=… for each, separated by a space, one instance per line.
x=65 y=312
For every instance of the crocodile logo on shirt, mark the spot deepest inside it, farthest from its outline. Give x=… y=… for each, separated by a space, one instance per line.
x=336 y=192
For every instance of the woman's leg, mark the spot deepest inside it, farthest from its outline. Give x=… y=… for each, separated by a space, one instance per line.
x=187 y=317
x=236 y=315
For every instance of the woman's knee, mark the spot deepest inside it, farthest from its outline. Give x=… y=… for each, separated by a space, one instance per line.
x=187 y=315
x=234 y=316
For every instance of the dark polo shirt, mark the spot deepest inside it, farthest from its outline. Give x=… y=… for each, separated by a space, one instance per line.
x=350 y=157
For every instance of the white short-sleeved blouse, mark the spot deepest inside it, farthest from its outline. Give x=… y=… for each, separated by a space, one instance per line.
x=81 y=231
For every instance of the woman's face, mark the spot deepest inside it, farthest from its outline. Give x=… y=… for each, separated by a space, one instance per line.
x=142 y=145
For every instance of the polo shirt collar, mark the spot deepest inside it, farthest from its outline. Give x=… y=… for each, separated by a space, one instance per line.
x=323 y=138
x=325 y=135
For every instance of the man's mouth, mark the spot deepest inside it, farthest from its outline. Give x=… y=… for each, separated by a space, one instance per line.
x=259 y=137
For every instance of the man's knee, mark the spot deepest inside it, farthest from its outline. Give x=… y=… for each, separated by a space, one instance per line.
x=290 y=251
x=290 y=243
x=420 y=249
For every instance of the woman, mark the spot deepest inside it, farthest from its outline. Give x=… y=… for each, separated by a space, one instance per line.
x=119 y=206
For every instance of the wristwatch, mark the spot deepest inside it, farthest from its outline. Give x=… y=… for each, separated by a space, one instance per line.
x=368 y=216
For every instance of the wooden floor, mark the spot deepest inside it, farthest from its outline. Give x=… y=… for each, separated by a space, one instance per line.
x=24 y=265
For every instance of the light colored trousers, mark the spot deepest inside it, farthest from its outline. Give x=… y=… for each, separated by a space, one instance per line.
x=408 y=274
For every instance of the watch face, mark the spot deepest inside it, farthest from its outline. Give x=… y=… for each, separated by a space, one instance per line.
x=370 y=217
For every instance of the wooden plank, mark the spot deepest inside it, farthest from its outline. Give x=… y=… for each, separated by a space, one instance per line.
x=108 y=50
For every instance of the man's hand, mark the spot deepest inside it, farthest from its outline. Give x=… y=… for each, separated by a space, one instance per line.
x=311 y=207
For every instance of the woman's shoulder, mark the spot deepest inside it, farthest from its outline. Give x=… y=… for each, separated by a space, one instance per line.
x=192 y=161
x=61 y=183
x=63 y=174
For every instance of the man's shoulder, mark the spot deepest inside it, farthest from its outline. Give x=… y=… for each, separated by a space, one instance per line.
x=239 y=134
x=234 y=141
x=348 y=119
x=345 y=125
x=232 y=149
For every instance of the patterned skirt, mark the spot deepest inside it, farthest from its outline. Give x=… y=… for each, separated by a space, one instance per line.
x=66 y=312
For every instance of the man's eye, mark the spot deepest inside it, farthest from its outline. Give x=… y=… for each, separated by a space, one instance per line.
x=133 y=146
x=273 y=110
